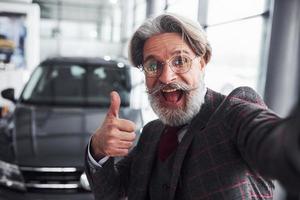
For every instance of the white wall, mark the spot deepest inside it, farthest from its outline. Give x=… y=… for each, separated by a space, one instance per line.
x=71 y=38
x=69 y=47
x=13 y=77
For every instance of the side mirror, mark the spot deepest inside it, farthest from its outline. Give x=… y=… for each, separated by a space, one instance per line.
x=9 y=94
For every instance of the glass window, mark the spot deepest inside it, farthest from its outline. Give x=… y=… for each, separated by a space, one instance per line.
x=140 y=12
x=72 y=84
x=222 y=11
x=187 y=9
x=32 y=83
x=237 y=44
x=80 y=20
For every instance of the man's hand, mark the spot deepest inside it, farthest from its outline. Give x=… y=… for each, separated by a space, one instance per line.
x=115 y=136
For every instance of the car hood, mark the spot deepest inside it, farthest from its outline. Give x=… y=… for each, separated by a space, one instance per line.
x=57 y=137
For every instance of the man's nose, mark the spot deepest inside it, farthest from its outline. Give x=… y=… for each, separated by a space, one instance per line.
x=167 y=75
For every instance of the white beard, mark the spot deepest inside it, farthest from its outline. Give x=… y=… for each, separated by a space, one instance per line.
x=183 y=115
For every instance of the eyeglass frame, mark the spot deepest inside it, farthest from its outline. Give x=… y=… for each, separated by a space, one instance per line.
x=169 y=62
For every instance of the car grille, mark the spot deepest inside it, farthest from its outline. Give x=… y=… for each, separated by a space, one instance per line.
x=54 y=179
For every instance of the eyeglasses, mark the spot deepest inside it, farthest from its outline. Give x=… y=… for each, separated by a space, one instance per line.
x=179 y=64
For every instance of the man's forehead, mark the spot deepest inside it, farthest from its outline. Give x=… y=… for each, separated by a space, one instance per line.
x=165 y=43
x=163 y=40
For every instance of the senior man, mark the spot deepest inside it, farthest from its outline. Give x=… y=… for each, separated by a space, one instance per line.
x=204 y=145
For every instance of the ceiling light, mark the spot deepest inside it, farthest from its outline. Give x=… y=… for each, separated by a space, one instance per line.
x=121 y=65
x=107 y=58
x=113 y=1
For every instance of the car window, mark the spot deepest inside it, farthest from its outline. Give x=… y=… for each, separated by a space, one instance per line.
x=32 y=83
x=72 y=84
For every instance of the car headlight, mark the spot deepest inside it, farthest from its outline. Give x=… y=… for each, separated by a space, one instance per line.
x=11 y=177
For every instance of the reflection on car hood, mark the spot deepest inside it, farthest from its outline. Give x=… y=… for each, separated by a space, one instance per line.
x=58 y=136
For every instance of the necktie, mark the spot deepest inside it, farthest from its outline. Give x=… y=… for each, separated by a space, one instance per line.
x=168 y=142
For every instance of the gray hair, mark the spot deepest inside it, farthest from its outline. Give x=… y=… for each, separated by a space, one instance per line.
x=191 y=32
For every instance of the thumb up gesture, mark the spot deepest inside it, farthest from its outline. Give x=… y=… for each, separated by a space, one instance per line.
x=115 y=136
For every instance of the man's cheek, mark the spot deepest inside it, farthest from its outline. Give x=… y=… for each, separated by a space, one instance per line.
x=150 y=83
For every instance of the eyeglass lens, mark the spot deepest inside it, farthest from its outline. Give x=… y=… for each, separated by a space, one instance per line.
x=178 y=63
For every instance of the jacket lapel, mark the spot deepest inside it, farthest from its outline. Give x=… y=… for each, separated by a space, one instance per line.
x=197 y=124
x=145 y=160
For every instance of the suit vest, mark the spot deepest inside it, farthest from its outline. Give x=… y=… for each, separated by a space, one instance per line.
x=159 y=186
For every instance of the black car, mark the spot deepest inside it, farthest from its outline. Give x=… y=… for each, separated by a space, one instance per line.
x=61 y=105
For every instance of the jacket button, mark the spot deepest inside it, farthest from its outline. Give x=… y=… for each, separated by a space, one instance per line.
x=166 y=187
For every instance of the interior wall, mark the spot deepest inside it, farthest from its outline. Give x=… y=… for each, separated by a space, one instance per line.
x=86 y=48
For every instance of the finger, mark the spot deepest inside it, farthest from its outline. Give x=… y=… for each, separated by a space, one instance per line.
x=115 y=102
x=126 y=136
x=125 y=125
x=124 y=144
x=118 y=152
x=121 y=152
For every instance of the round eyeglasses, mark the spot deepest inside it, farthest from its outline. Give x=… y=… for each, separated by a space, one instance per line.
x=179 y=64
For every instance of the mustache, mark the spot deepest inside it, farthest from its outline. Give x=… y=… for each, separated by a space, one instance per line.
x=175 y=85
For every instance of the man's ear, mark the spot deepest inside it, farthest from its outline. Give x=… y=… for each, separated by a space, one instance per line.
x=202 y=64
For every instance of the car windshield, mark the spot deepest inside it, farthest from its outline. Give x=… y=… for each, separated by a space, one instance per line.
x=74 y=84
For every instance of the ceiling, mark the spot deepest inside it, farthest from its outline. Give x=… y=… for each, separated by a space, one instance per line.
x=76 y=10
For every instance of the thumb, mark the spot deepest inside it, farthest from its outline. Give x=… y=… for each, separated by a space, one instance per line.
x=115 y=102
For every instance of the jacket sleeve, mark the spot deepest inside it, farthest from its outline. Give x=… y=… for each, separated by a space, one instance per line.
x=110 y=181
x=268 y=144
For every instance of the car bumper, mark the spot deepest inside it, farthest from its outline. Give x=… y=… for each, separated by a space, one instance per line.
x=6 y=194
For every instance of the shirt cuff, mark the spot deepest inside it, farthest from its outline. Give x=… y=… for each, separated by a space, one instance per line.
x=93 y=161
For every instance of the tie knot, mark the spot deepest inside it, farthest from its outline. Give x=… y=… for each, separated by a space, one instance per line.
x=173 y=129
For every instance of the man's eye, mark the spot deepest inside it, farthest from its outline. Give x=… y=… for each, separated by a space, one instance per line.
x=152 y=66
x=180 y=61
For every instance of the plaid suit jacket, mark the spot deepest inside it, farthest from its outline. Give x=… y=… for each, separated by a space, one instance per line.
x=220 y=156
